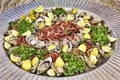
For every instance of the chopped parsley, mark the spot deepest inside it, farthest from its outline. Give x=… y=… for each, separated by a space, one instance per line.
x=59 y=11
x=99 y=35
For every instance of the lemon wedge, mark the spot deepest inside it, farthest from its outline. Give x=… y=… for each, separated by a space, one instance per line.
x=59 y=62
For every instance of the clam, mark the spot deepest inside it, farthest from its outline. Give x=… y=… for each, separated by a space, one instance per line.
x=44 y=65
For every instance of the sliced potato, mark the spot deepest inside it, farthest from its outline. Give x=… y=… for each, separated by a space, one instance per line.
x=82 y=48
x=70 y=17
x=14 y=58
x=86 y=36
x=111 y=38
x=106 y=48
x=40 y=9
x=51 y=72
x=86 y=30
x=93 y=59
x=65 y=48
x=15 y=33
x=81 y=23
x=74 y=11
x=26 y=65
x=34 y=61
x=28 y=32
x=94 y=51
x=7 y=38
x=59 y=62
x=7 y=45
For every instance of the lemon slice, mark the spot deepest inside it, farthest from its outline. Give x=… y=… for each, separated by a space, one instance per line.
x=106 y=48
x=26 y=65
x=7 y=45
x=51 y=72
x=14 y=58
x=82 y=48
x=94 y=51
x=34 y=61
x=93 y=59
x=65 y=48
x=28 y=32
x=86 y=36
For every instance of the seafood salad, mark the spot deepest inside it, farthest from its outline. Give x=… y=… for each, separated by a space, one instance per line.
x=58 y=42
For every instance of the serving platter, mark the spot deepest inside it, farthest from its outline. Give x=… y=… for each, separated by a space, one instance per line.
x=108 y=71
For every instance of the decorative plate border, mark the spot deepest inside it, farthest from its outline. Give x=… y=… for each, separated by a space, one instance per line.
x=108 y=71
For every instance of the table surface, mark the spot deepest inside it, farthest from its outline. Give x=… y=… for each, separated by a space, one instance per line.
x=8 y=4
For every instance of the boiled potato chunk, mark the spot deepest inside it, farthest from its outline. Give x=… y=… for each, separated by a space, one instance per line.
x=40 y=9
x=7 y=38
x=48 y=21
x=81 y=23
x=34 y=61
x=15 y=33
x=65 y=48
x=94 y=51
x=14 y=58
x=28 y=32
x=82 y=48
x=93 y=59
x=86 y=30
x=86 y=36
x=7 y=45
x=106 y=48
x=111 y=38
x=70 y=17
x=26 y=65
x=59 y=62
x=51 y=16
x=51 y=72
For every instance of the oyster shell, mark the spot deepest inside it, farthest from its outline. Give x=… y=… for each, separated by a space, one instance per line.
x=44 y=65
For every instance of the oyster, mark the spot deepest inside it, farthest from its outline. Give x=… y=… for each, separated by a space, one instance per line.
x=31 y=39
x=66 y=45
x=53 y=46
x=44 y=65
x=40 y=44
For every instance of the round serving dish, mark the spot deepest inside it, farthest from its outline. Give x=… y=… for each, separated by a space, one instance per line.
x=108 y=71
